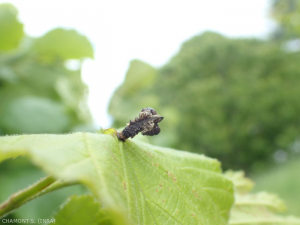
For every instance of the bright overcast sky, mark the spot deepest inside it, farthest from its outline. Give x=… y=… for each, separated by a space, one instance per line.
x=151 y=31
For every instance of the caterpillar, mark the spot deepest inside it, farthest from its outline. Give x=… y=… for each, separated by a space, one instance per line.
x=147 y=123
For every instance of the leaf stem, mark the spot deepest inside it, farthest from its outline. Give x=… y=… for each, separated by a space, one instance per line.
x=43 y=186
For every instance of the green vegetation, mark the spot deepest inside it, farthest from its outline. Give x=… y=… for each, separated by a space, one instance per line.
x=286 y=13
x=38 y=94
x=284 y=181
x=179 y=187
x=232 y=99
x=88 y=211
x=255 y=208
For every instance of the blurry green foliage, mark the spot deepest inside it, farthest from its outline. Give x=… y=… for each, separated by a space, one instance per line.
x=284 y=180
x=11 y=30
x=287 y=14
x=38 y=112
x=256 y=208
x=63 y=44
x=233 y=99
x=38 y=94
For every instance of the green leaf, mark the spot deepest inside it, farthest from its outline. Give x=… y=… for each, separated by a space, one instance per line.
x=85 y=209
x=11 y=29
x=241 y=183
x=63 y=44
x=139 y=76
x=34 y=115
x=80 y=210
x=256 y=209
x=149 y=184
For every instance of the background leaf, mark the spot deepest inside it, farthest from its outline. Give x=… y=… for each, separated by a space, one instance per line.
x=283 y=180
x=11 y=29
x=63 y=44
x=256 y=209
x=34 y=115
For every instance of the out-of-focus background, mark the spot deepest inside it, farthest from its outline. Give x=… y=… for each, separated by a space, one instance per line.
x=224 y=74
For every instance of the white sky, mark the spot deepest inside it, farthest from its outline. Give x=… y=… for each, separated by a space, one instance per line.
x=151 y=31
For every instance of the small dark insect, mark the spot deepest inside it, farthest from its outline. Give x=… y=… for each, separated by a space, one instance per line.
x=147 y=123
